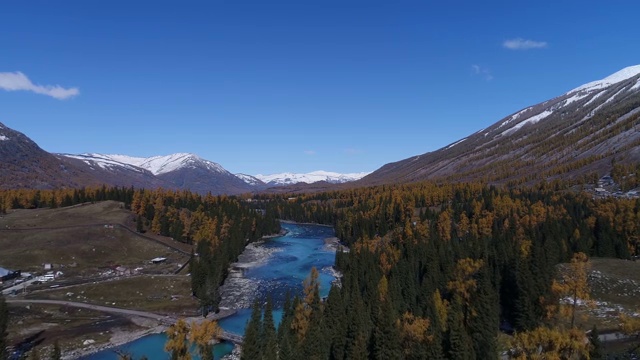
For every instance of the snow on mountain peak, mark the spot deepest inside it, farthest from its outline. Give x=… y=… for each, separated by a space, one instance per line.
x=309 y=178
x=614 y=78
x=156 y=164
x=163 y=164
x=251 y=180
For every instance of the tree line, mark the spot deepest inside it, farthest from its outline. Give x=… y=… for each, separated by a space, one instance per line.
x=438 y=271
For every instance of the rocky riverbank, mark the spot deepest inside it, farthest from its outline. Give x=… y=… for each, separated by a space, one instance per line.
x=238 y=292
x=118 y=338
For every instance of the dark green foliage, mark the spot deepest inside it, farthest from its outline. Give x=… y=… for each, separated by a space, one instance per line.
x=460 y=344
x=595 y=353
x=253 y=343
x=268 y=334
x=483 y=325
x=403 y=233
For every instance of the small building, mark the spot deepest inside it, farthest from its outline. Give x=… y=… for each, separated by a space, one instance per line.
x=158 y=260
x=48 y=267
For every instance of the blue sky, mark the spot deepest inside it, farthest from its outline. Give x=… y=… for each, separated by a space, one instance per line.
x=274 y=86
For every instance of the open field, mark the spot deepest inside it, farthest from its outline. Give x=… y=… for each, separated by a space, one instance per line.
x=81 y=241
x=161 y=294
x=106 y=212
x=86 y=243
x=615 y=289
x=70 y=326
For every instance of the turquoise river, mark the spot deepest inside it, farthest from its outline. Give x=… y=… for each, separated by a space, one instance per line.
x=291 y=258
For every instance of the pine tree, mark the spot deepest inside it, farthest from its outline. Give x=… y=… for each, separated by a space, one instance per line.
x=484 y=324
x=595 y=352
x=460 y=346
x=268 y=333
x=386 y=340
x=252 y=345
x=334 y=320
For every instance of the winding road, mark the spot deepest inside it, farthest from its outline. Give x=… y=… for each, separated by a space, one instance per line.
x=163 y=319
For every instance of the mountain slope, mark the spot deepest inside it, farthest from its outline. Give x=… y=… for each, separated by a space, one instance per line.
x=572 y=135
x=111 y=172
x=176 y=171
x=309 y=178
x=23 y=164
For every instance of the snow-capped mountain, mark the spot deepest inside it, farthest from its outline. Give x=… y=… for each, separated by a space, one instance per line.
x=309 y=178
x=103 y=161
x=251 y=180
x=180 y=171
x=164 y=164
x=569 y=136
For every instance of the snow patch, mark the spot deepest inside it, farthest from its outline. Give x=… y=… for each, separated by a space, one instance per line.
x=531 y=120
x=456 y=143
x=594 y=98
x=163 y=164
x=594 y=111
x=636 y=86
x=3 y=138
x=251 y=180
x=102 y=161
x=614 y=78
x=514 y=117
x=575 y=98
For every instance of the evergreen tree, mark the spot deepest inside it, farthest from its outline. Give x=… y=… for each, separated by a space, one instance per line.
x=460 y=346
x=252 y=345
x=595 y=352
x=335 y=324
x=385 y=334
x=285 y=350
x=484 y=324
x=268 y=334
x=139 y=224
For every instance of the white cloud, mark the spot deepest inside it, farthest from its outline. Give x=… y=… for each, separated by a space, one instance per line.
x=15 y=81
x=523 y=44
x=482 y=71
x=310 y=152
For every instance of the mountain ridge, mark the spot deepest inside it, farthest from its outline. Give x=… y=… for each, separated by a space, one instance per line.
x=572 y=135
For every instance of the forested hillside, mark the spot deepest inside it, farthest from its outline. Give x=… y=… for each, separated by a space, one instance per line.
x=219 y=227
x=436 y=271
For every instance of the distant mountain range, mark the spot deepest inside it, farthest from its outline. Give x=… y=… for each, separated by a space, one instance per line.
x=579 y=133
x=284 y=179
x=23 y=164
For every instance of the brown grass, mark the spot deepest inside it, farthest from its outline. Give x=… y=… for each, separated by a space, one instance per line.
x=76 y=241
x=162 y=294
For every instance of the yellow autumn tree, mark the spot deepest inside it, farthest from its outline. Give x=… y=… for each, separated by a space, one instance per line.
x=177 y=344
x=413 y=332
x=304 y=310
x=202 y=334
x=544 y=343
x=573 y=287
